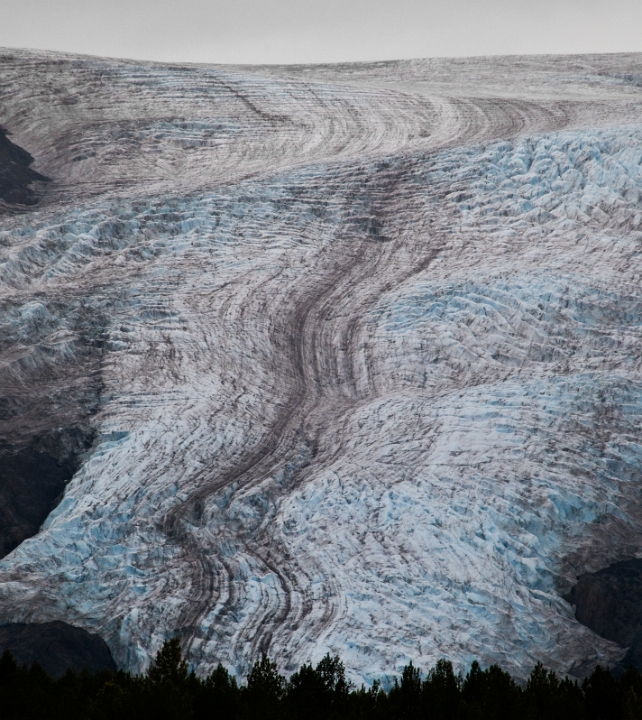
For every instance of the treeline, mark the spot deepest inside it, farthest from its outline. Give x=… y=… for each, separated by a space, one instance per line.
x=168 y=691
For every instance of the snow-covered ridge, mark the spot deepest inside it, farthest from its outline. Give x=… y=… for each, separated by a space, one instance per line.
x=363 y=354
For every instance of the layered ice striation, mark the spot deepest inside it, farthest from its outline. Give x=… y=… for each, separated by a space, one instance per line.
x=378 y=395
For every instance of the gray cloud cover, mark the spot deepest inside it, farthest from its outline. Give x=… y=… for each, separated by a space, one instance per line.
x=285 y=31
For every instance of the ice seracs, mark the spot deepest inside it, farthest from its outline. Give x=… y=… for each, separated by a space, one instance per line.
x=358 y=346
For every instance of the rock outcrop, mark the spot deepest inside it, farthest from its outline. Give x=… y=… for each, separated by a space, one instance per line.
x=609 y=602
x=32 y=481
x=16 y=177
x=57 y=647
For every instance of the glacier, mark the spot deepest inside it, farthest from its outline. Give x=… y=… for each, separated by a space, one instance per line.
x=357 y=347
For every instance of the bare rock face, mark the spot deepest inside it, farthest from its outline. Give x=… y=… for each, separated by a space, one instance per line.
x=32 y=481
x=57 y=646
x=16 y=176
x=341 y=359
x=609 y=602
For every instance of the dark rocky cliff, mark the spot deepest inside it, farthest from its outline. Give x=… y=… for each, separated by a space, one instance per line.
x=15 y=174
x=32 y=480
x=57 y=646
x=609 y=602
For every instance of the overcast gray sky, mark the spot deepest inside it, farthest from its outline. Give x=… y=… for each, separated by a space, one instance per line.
x=309 y=31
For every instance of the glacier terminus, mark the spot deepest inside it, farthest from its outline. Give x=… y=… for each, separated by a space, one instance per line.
x=310 y=359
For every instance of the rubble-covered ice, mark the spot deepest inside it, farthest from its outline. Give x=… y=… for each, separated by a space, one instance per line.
x=363 y=347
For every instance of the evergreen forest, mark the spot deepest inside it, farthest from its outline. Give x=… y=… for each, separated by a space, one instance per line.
x=170 y=691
